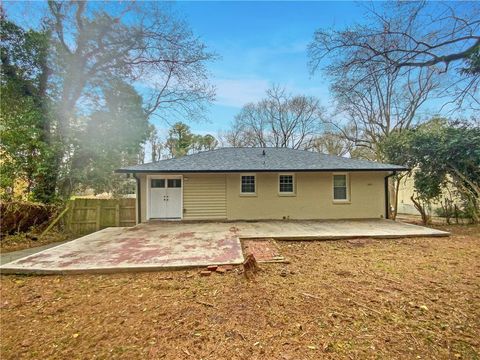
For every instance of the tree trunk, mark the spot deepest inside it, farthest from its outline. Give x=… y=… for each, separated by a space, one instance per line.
x=421 y=210
x=397 y=188
x=393 y=186
x=46 y=179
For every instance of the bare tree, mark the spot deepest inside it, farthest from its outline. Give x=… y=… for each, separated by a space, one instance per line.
x=332 y=143
x=441 y=37
x=138 y=42
x=377 y=103
x=279 y=120
x=374 y=99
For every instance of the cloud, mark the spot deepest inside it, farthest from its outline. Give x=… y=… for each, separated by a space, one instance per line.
x=238 y=92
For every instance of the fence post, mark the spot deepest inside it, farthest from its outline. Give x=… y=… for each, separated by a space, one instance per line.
x=71 y=218
x=117 y=214
x=99 y=217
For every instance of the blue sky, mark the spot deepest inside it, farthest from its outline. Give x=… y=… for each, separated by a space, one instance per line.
x=260 y=43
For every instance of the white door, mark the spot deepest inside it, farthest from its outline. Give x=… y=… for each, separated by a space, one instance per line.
x=165 y=198
x=158 y=195
x=174 y=198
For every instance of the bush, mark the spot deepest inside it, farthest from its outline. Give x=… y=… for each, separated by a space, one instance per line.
x=449 y=211
x=21 y=216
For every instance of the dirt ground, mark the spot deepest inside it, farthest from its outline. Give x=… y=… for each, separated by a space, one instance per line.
x=434 y=220
x=23 y=241
x=397 y=299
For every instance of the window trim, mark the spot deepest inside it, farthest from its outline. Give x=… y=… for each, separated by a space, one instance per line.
x=294 y=183
x=347 y=186
x=255 y=184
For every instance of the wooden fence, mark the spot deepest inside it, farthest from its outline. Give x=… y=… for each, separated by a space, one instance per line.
x=89 y=215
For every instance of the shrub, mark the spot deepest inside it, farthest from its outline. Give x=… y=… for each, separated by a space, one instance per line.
x=21 y=216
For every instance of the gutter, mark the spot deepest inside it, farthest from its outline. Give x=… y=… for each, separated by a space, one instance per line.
x=180 y=171
x=139 y=199
x=387 y=202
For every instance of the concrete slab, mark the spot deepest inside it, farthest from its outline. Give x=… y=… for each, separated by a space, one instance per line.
x=334 y=229
x=167 y=245
x=14 y=255
x=144 y=247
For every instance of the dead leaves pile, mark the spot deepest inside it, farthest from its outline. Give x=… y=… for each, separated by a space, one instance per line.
x=405 y=298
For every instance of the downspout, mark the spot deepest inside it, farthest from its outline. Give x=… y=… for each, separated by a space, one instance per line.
x=387 y=202
x=139 y=199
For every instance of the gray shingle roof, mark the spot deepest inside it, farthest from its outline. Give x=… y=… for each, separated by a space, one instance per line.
x=253 y=160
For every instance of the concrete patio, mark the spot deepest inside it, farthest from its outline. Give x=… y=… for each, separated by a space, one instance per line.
x=167 y=245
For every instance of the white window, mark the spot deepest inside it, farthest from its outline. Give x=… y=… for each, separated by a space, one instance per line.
x=340 y=187
x=247 y=184
x=286 y=184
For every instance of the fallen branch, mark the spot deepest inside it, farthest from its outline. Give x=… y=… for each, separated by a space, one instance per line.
x=353 y=301
x=365 y=306
x=310 y=296
x=205 y=303
x=52 y=224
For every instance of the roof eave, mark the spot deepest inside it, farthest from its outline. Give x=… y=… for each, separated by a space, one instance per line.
x=132 y=171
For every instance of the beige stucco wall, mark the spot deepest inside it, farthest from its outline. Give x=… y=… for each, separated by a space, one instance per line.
x=313 y=198
x=217 y=196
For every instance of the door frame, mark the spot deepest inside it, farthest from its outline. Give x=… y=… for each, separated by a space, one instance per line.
x=159 y=176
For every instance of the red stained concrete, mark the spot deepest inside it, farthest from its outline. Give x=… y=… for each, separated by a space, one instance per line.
x=145 y=247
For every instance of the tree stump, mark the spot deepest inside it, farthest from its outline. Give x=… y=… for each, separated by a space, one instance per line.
x=250 y=266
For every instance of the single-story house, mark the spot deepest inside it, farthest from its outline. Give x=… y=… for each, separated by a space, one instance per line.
x=261 y=183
